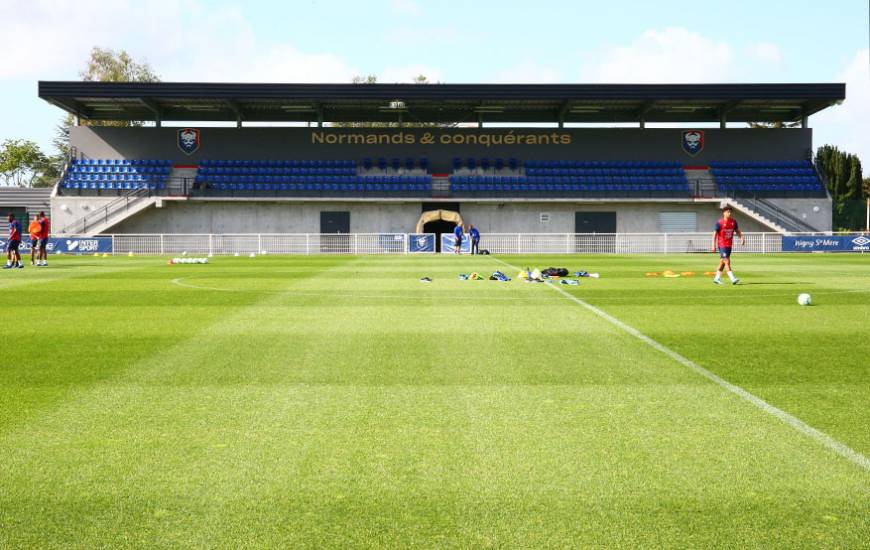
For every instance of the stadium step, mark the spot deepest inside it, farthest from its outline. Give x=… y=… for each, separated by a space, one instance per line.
x=701 y=182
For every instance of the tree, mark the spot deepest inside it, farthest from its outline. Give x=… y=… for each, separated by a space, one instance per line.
x=846 y=183
x=373 y=79
x=843 y=172
x=104 y=65
x=778 y=124
x=22 y=164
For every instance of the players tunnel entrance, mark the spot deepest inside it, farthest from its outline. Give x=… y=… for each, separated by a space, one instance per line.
x=438 y=221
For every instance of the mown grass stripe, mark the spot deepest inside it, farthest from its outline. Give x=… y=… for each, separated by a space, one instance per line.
x=836 y=446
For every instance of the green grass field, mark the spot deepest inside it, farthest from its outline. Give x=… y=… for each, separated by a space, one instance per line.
x=338 y=402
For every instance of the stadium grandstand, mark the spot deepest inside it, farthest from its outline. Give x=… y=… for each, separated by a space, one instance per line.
x=374 y=158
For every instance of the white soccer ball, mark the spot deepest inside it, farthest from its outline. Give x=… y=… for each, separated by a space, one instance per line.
x=805 y=299
x=184 y=253
x=236 y=255
x=253 y=255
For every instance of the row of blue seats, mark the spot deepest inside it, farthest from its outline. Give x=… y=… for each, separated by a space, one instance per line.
x=766 y=187
x=759 y=163
x=316 y=179
x=603 y=164
x=326 y=187
x=569 y=188
x=806 y=171
x=278 y=171
x=279 y=163
x=119 y=169
x=604 y=172
x=116 y=177
x=118 y=185
x=122 y=162
x=409 y=163
x=486 y=164
x=633 y=180
x=569 y=179
x=767 y=179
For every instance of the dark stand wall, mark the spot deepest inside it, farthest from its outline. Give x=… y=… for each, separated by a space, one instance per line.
x=554 y=144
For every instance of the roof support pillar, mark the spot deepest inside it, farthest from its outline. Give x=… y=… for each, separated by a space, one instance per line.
x=805 y=120
x=319 y=116
x=723 y=120
x=642 y=122
x=480 y=120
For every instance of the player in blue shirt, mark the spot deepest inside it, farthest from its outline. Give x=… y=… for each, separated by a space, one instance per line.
x=13 y=243
x=475 y=239
x=457 y=239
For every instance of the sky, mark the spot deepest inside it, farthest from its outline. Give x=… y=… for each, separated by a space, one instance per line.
x=579 y=41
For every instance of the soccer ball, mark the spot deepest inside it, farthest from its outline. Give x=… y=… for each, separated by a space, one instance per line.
x=805 y=299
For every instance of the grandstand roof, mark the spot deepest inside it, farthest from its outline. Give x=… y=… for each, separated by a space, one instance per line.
x=506 y=103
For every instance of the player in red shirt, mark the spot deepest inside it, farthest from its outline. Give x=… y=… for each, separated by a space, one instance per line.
x=44 y=231
x=723 y=238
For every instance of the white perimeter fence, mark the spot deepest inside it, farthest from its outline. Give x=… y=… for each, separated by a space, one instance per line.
x=404 y=243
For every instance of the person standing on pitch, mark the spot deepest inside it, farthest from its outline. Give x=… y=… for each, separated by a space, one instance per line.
x=13 y=243
x=723 y=237
x=457 y=238
x=34 y=229
x=44 y=230
x=475 y=239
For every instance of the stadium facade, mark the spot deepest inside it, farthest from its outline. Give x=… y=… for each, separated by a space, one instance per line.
x=404 y=150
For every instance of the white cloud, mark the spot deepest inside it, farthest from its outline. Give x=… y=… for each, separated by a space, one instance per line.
x=846 y=125
x=406 y=7
x=182 y=39
x=766 y=52
x=528 y=72
x=674 y=54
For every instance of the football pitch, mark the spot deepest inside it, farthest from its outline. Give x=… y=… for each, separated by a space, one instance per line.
x=337 y=401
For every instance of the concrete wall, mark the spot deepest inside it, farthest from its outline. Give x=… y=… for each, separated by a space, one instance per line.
x=440 y=146
x=817 y=212
x=199 y=216
x=68 y=209
x=268 y=217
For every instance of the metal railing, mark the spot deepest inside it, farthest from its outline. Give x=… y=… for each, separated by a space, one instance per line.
x=775 y=214
x=404 y=243
x=103 y=214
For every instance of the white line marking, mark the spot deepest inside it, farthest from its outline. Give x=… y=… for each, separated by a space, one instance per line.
x=799 y=425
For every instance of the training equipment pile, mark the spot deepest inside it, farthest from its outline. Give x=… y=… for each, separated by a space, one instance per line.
x=174 y=261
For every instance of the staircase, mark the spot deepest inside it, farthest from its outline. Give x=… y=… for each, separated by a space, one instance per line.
x=701 y=182
x=440 y=186
x=116 y=211
x=180 y=181
x=768 y=214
